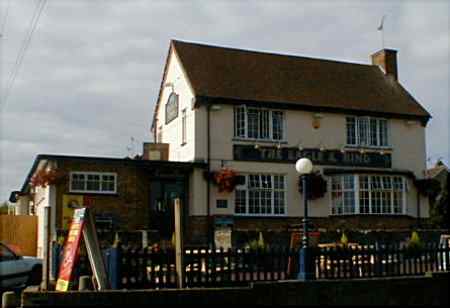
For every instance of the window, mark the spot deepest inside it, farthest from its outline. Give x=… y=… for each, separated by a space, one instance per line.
x=261 y=195
x=93 y=182
x=221 y=204
x=183 y=127
x=367 y=194
x=343 y=195
x=159 y=135
x=258 y=123
x=367 y=131
x=6 y=254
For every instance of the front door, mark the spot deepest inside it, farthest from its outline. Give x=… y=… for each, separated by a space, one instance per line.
x=162 y=196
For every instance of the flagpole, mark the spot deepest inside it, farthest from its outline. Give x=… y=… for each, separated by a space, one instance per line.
x=381 y=28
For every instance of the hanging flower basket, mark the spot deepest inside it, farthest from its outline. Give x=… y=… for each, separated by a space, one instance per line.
x=44 y=177
x=317 y=186
x=225 y=179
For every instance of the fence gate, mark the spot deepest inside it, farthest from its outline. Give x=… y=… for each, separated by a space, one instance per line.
x=20 y=233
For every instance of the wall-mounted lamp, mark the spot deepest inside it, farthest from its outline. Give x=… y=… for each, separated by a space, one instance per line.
x=362 y=151
x=300 y=146
x=318 y=116
x=169 y=84
x=279 y=146
x=256 y=146
x=321 y=146
x=216 y=107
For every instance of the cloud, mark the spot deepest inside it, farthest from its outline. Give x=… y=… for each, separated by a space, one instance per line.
x=91 y=76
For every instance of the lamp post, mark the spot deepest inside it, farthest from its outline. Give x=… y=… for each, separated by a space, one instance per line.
x=306 y=265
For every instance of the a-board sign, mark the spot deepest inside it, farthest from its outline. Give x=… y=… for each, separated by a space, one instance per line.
x=71 y=250
x=82 y=224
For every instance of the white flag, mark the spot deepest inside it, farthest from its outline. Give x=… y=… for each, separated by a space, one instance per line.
x=380 y=28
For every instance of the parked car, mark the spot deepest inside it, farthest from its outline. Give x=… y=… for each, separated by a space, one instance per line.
x=18 y=271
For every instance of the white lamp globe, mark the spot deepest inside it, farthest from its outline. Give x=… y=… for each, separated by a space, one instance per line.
x=303 y=166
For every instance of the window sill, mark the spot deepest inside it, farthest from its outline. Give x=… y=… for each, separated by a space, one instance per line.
x=261 y=215
x=102 y=193
x=374 y=148
x=367 y=214
x=260 y=140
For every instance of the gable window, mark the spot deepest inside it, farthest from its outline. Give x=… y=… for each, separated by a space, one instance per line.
x=367 y=131
x=261 y=195
x=258 y=123
x=93 y=182
x=368 y=194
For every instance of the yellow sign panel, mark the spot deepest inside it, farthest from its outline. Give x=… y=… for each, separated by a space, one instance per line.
x=70 y=203
x=62 y=285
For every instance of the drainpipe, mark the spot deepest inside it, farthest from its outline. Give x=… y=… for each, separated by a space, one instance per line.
x=418 y=208
x=208 y=189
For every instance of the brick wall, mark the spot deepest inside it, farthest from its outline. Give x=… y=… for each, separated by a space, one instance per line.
x=129 y=206
x=384 y=291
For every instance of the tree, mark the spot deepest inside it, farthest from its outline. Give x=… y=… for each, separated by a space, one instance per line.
x=439 y=211
x=4 y=207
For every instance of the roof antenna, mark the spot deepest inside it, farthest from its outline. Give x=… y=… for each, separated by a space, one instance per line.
x=381 y=28
x=131 y=148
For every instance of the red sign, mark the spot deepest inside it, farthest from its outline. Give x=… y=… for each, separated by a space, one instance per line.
x=71 y=250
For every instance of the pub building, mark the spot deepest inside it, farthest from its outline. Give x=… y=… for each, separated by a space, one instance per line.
x=250 y=115
x=228 y=127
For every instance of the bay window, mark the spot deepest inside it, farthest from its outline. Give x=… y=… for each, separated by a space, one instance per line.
x=261 y=195
x=367 y=131
x=368 y=194
x=258 y=123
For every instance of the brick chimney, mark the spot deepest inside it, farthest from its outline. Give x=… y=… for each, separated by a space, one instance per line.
x=387 y=59
x=155 y=151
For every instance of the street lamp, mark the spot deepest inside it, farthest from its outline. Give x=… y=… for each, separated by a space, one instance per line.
x=306 y=265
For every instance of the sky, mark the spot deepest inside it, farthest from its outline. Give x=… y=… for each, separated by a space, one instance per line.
x=90 y=76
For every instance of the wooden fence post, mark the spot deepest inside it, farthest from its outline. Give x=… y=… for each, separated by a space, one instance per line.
x=179 y=247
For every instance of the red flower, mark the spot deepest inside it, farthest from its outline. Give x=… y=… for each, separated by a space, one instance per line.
x=47 y=177
x=225 y=179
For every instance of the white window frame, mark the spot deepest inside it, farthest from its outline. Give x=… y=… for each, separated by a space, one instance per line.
x=245 y=129
x=357 y=195
x=245 y=187
x=100 y=174
x=357 y=136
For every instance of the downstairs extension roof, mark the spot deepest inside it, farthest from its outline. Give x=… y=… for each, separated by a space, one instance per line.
x=42 y=158
x=236 y=76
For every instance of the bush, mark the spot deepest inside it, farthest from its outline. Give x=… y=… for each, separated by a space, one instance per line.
x=257 y=244
x=344 y=240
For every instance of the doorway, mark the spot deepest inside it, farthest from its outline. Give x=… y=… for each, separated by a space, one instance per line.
x=162 y=196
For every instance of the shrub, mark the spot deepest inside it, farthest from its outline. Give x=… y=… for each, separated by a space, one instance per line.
x=414 y=246
x=257 y=244
x=344 y=239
